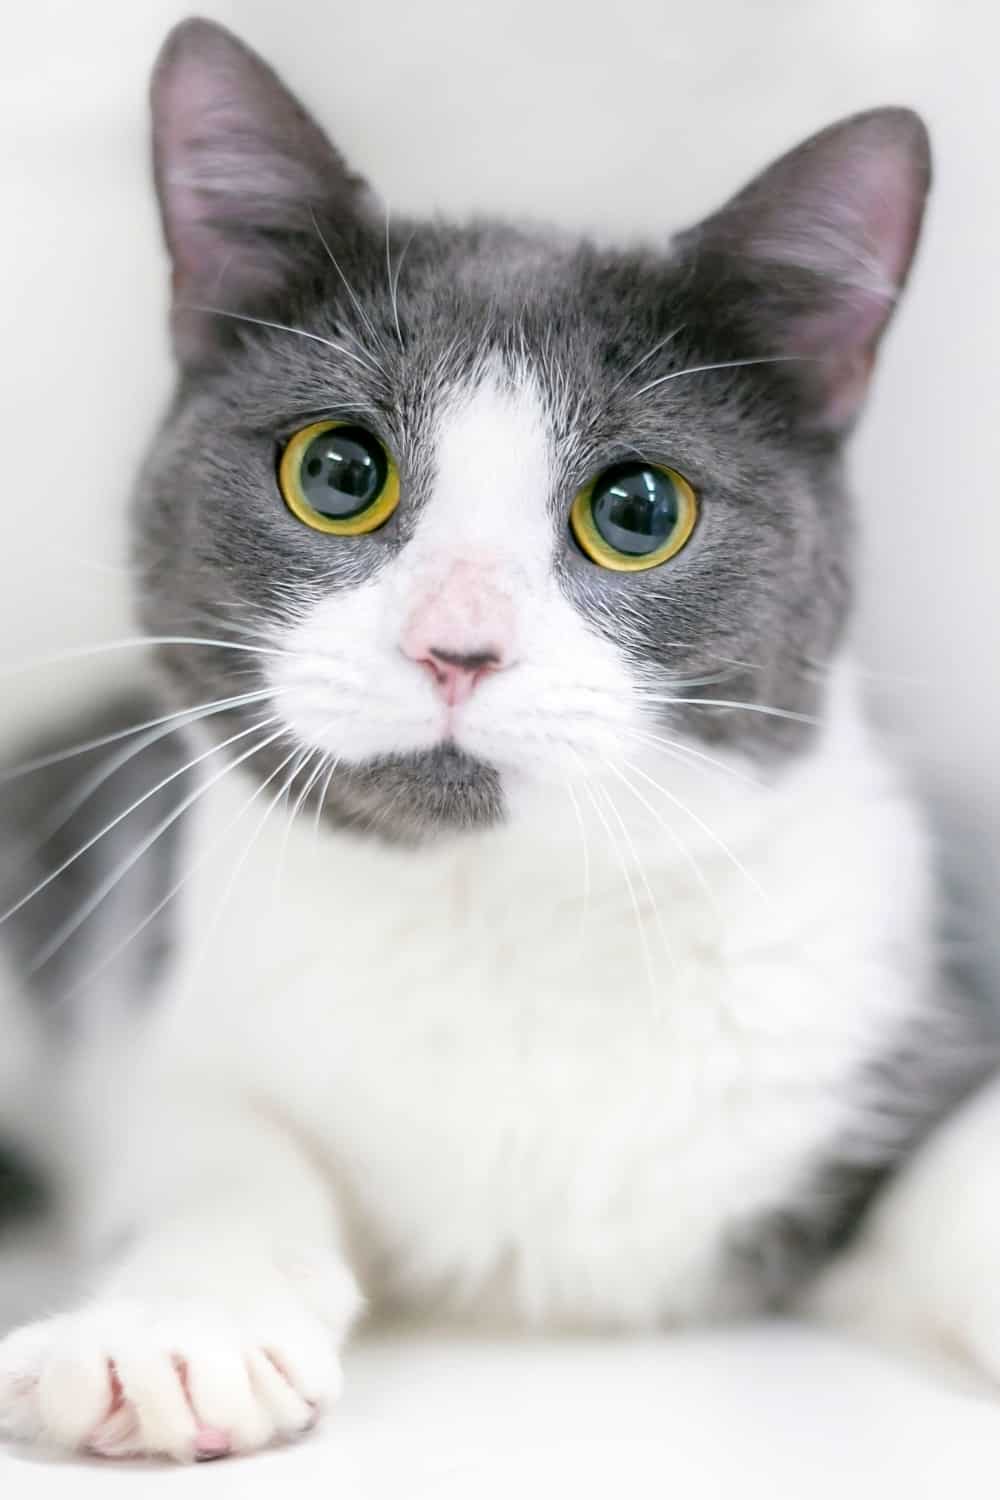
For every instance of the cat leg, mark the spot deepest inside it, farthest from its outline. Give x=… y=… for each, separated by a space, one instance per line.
x=925 y=1269
x=217 y=1330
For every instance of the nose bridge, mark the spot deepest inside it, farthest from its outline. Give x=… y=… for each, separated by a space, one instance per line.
x=482 y=545
x=467 y=612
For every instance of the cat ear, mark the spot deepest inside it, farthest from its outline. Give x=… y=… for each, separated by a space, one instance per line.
x=241 y=172
x=822 y=243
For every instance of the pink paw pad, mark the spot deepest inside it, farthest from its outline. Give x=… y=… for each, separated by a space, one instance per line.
x=211 y=1442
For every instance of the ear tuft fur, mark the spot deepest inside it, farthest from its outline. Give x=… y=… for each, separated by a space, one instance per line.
x=825 y=236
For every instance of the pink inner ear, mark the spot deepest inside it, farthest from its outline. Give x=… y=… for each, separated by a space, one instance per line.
x=846 y=208
x=234 y=153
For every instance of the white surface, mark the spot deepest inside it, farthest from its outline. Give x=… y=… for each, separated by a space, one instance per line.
x=769 y=1412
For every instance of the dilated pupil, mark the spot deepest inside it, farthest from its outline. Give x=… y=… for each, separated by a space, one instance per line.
x=343 y=472
x=635 y=508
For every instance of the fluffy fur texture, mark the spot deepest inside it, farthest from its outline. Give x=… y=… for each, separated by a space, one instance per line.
x=604 y=997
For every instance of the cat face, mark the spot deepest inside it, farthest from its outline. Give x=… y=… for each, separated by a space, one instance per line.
x=517 y=429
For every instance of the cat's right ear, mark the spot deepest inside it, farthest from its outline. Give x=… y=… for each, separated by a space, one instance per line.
x=242 y=174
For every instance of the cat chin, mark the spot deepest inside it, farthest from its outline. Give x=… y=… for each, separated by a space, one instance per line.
x=416 y=795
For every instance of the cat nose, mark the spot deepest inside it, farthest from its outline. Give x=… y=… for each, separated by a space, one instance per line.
x=457 y=674
x=462 y=630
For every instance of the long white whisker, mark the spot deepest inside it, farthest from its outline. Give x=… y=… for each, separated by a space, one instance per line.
x=304 y=758
x=669 y=830
x=321 y=803
x=706 y=830
x=388 y=273
x=67 y=806
x=679 y=751
x=362 y=314
x=79 y=653
x=722 y=364
x=225 y=312
x=623 y=862
x=399 y=267
x=179 y=885
x=120 y=817
x=640 y=867
x=750 y=708
x=314 y=776
x=585 y=844
x=179 y=716
x=644 y=360
x=240 y=863
x=67 y=929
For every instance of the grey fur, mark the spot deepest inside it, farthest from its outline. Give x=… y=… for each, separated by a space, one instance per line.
x=48 y=816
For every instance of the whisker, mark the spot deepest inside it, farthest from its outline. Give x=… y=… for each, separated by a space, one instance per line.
x=302 y=333
x=238 y=867
x=399 y=268
x=680 y=750
x=722 y=364
x=644 y=360
x=305 y=757
x=622 y=861
x=706 y=830
x=120 y=817
x=750 y=708
x=347 y=285
x=650 y=896
x=585 y=844
x=321 y=803
x=179 y=885
x=67 y=806
x=41 y=762
x=392 y=289
x=669 y=830
x=79 y=653
x=66 y=930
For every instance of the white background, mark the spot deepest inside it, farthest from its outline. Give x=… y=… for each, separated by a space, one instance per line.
x=632 y=117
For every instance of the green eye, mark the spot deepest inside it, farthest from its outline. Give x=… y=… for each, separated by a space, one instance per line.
x=634 y=516
x=338 y=478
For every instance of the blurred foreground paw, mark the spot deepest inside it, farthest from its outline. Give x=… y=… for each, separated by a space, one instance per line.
x=172 y=1379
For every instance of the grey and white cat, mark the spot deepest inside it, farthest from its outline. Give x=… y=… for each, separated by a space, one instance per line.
x=503 y=911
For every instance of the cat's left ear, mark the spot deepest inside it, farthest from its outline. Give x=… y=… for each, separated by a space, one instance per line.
x=242 y=172
x=810 y=258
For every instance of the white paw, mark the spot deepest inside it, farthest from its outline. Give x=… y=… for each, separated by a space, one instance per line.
x=172 y=1377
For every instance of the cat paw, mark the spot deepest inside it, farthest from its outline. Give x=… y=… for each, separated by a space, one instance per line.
x=178 y=1380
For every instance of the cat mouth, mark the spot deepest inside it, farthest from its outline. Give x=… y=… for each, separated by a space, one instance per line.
x=414 y=794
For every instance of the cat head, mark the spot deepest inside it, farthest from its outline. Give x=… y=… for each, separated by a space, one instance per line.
x=481 y=507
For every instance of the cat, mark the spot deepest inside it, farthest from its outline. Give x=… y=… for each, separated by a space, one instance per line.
x=499 y=907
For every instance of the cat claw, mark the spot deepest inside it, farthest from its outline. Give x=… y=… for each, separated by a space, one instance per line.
x=127 y=1380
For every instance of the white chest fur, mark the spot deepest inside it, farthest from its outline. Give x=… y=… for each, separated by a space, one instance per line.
x=545 y=1089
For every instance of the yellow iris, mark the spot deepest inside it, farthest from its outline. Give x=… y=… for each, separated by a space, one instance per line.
x=337 y=477
x=634 y=516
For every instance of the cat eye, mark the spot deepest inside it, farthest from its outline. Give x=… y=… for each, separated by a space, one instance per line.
x=338 y=478
x=634 y=516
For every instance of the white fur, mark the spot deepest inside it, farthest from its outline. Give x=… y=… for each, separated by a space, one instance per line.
x=923 y=1273
x=539 y=1073
x=351 y=688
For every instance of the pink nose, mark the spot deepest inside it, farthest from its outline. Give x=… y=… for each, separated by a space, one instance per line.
x=457 y=673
